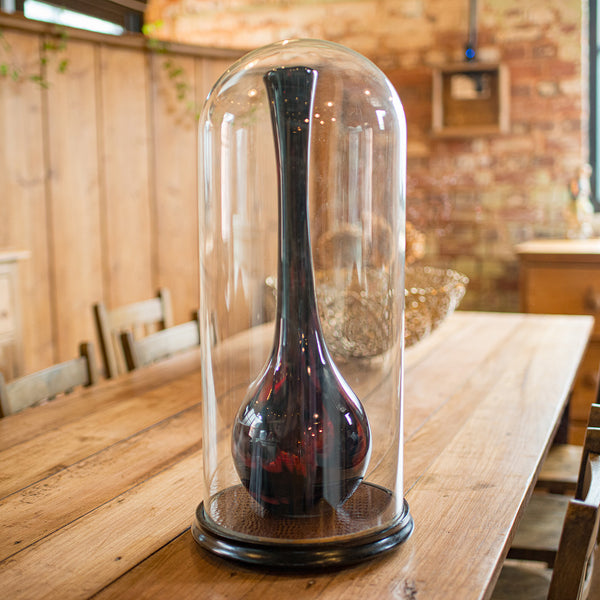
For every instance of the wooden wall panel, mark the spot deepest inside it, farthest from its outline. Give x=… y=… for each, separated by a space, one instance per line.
x=176 y=183
x=98 y=179
x=23 y=216
x=124 y=165
x=74 y=196
x=209 y=70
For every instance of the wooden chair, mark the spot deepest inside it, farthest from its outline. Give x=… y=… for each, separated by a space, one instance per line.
x=159 y=345
x=573 y=576
x=40 y=386
x=560 y=470
x=538 y=534
x=140 y=318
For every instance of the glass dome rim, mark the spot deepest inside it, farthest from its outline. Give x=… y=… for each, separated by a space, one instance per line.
x=264 y=53
x=301 y=41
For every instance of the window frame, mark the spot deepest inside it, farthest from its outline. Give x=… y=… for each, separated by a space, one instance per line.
x=594 y=99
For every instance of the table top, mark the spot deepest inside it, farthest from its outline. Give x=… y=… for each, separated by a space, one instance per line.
x=98 y=489
x=542 y=249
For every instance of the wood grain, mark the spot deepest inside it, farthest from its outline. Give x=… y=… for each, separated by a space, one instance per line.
x=23 y=196
x=125 y=161
x=106 y=510
x=175 y=188
x=147 y=515
x=23 y=427
x=42 y=455
x=99 y=179
x=97 y=479
x=74 y=197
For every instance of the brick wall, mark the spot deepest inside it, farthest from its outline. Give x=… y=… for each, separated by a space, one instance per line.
x=473 y=197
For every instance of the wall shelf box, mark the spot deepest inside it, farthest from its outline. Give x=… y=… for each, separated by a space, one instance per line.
x=470 y=99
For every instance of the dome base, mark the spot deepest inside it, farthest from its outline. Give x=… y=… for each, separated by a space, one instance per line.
x=302 y=554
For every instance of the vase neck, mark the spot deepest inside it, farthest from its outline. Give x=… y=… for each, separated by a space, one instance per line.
x=291 y=93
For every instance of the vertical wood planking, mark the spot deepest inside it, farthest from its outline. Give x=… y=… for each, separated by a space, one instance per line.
x=209 y=70
x=73 y=195
x=176 y=181
x=23 y=211
x=98 y=180
x=124 y=163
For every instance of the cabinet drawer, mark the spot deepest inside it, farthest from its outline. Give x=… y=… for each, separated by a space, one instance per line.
x=569 y=289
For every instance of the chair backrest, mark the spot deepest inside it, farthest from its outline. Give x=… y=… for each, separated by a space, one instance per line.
x=46 y=384
x=574 y=565
x=589 y=445
x=140 y=318
x=159 y=345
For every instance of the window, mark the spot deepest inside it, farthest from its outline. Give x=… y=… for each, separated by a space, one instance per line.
x=594 y=102
x=105 y=16
x=40 y=11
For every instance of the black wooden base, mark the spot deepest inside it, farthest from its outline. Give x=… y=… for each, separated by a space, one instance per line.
x=300 y=555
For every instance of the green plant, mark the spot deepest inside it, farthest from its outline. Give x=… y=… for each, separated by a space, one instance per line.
x=55 y=43
x=183 y=90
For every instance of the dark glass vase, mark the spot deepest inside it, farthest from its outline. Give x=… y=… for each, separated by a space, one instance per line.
x=301 y=435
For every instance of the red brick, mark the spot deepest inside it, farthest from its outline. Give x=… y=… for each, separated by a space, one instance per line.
x=544 y=51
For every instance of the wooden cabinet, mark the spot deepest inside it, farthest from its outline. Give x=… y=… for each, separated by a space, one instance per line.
x=563 y=277
x=11 y=337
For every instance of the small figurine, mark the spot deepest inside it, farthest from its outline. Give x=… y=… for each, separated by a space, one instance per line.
x=580 y=210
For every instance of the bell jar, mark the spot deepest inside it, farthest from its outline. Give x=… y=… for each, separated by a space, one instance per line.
x=302 y=158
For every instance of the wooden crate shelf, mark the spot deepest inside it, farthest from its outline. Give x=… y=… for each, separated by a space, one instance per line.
x=471 y=99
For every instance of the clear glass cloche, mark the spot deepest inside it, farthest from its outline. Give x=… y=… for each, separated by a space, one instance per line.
x=302 y=220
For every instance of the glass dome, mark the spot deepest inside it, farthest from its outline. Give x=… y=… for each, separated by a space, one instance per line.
x=302 y=211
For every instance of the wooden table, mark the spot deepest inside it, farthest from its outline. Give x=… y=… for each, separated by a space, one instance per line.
x=99 y=488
